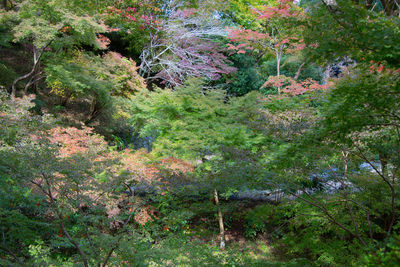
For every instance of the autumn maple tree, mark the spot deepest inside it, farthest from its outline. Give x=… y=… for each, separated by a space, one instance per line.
x=180 y=41
x=277 y=34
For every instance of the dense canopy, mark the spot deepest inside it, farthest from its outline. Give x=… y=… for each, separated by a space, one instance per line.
x=199 y=133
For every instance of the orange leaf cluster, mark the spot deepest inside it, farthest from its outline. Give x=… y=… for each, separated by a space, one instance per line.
x=293 y=87
x=73 y=140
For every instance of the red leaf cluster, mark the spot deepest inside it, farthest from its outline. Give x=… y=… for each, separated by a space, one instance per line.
x=292 y=87
x=284 y=9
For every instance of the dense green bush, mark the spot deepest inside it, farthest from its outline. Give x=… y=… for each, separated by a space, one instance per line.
x=247 y=78
x=7 y=75
x=387 y=254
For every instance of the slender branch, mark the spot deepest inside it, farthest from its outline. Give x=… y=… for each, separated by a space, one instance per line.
x=349 y=207
x=326 y=212
x=121 y=236
x=347 y=199
x=368 y=216
x=299 y=70
x=362 y=156
x=50 y=195
x=392 y=205
x=390 y=183
x=33 y=81
x=6 y=249
x=37 y=54
x=14 y=84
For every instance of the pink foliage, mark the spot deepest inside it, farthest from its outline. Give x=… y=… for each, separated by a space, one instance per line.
x=135 y=14
x=284 y=9
x=196 y=58
x=246 y=39
x=73 y=140
x=103 y=41
x=184 y=13
x=137 y=163
x=186 y=47
x=292 y=87
x=240 y=34
x=250 y=39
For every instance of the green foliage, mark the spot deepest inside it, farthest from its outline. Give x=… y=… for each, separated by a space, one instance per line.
x=289 y=68
x=268 y=219
x=247 y=78
x=8 y=75
x=364 y=102
x=241 y=12
x=191 y=122
x=301 y=232
x=352 y=30
x=388 y=255
x=133 y=34
x=18 y=205
x=6 y=21
x=41 y=22
x=49 y=194
x=100 y=86
x=313 y=236
x=75 y=78
x=67 y=198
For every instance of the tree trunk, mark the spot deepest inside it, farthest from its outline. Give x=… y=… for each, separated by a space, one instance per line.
x=299 y=70
x=37 y=54
x=278 y=67
x=220 y=222
x=7 y=4
x=346 y=197
x=36 y=58
x=391 y=178
x=33 y=81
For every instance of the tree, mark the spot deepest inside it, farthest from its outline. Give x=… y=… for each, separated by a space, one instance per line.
x=352 y=151
x=352 y=30
x=70 y=182
x=277 y=37
x=198 y=125
x=196 y=121
x=248 y=76
x=181 y=42
x=98 y=80
x=40 y=24
x=189 y=49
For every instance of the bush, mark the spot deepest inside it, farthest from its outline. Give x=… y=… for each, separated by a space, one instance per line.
x=267 y=219
x=7 y=75
x=387 y=255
